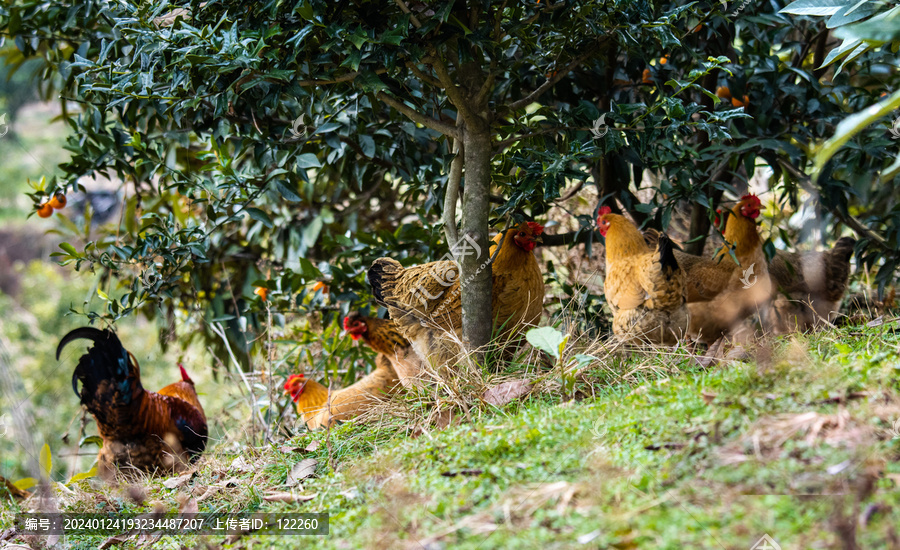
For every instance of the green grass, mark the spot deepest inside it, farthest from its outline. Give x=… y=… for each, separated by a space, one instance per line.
x=679 y=456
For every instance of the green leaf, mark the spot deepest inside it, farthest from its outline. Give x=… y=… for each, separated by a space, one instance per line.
x=45 y=461
x=308 y=160
x=815 y=7
x=286 y=190
x=83 y=475
x=25 y=483
x=547 y=339
x=852 y=13
x=70 y=249
x=259 y=216
x=853 y=125
x=89 y=439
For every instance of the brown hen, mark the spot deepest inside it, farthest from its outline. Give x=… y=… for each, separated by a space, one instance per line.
x=810 y=286
x=394 y=353
x=644 y=286
x=424 y=300
x=720 y=292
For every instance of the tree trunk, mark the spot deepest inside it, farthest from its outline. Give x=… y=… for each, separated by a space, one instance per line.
x=475 y=271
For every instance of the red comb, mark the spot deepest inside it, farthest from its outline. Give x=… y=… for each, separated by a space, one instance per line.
x=604 y=210
x=536 y=228
x=752 y=198
x=290 y=381
x=184 y=374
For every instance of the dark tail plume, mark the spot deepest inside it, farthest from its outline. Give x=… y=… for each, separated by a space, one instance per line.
x=107 y=374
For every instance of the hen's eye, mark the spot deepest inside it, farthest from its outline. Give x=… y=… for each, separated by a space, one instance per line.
x=521 y=233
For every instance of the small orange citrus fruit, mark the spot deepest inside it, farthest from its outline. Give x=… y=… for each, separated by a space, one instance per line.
x=723 y=92
x=58 y=201
x=647 y=77
x=262 y=292
x=45 y=210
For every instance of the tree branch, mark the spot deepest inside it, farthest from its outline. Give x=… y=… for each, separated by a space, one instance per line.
x=847 y=219
x=454 y=93
x=532 y=97
x=422 y=76
x=573 y=237
x=451 y=195
x=418 y=117
x=344 y=78
x=412 y=18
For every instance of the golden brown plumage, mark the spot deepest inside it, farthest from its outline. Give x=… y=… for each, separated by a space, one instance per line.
x=424 y=300
x=311 y=398
x=644 y=286
x=141 y=430
x=721 y=293
x=809 y=286
x=393 y=353
x=383 y=336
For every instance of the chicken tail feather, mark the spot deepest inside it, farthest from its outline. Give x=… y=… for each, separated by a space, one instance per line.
x=666 y=255
x=382 y=277
x=107 y=374
x=843 y=248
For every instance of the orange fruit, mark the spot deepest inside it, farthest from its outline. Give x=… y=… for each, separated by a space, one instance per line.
x=738 y=103
x=262 y=292
x=647 y=77
x=58 y=201
x=723 y=92
x=320 y=285
x=663 y=60
x=45 y=210
x=697 y=28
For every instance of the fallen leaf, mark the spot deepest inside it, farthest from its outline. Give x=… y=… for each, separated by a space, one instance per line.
x=313 y=446
x=708 y=397
x=189 y=506
x=240 y=464
x=301 y=470
x=502 y=394
x=876 y=322
x=174 y=482
x=287 y=497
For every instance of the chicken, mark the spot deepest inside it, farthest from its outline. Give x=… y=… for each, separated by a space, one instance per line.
x=644 y=286
x=310 y=397
x=810 y=286
x=721 y=293
x=394 y=353
x=141 y=430
x=424 y=300
x=383 y=336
